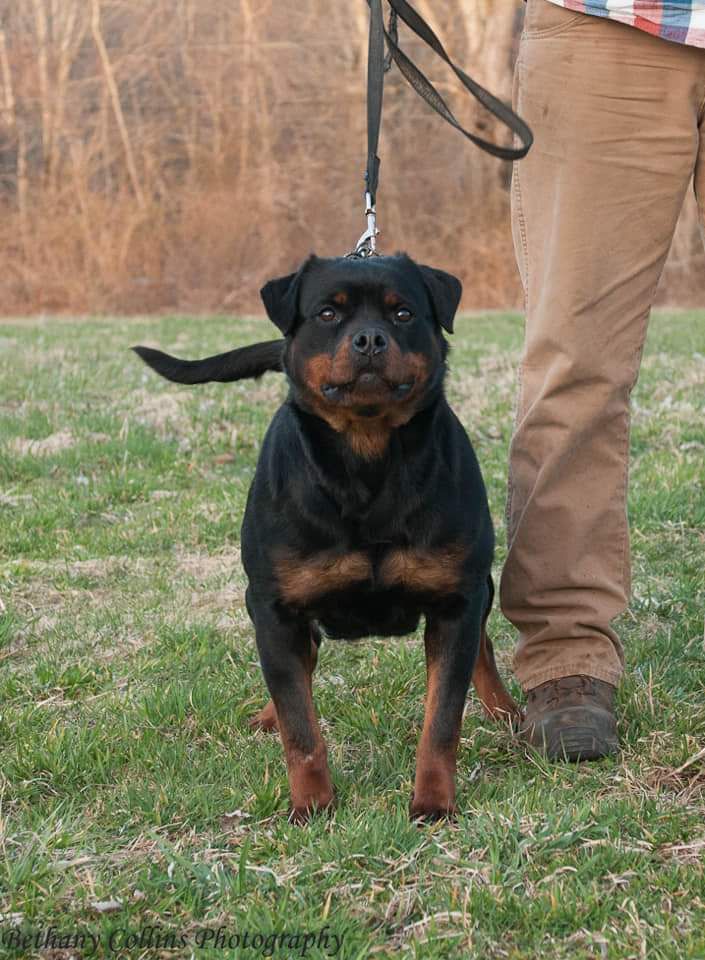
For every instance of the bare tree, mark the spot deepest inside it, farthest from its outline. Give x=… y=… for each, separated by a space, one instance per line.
x=179 y=152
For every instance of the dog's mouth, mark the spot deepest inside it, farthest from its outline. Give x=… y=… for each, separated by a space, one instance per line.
x=367 y=385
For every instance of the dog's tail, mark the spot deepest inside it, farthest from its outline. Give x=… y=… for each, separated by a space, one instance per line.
x=242 y=364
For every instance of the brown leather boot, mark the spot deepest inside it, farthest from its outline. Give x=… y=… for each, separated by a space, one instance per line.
x=571 y=719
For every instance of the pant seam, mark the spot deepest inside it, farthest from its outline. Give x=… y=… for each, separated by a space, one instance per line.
x=522 y=233
x=701 y=110
x=700 y=200
x=510 y=482
x=622 y=497
x=624 y=492
x=700 y=203
x=519 y=207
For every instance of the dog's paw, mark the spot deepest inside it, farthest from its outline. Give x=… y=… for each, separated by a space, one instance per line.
x=434 y=788
x=507 y=712
x=429 y=809
x=303 y=811
x=266 y=719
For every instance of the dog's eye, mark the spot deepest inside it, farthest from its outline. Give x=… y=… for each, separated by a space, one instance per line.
x=328 y=314
x=402 y=315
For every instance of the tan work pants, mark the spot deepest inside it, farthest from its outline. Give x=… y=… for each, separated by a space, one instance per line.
x=618 y=118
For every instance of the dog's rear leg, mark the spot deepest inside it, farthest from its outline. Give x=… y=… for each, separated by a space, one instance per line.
x=496 y=700
x=287 y=658
x=266 y=718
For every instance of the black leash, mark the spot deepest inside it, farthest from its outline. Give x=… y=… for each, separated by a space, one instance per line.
x=378 y=65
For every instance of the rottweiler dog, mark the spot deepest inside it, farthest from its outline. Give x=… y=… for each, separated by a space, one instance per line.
x=367 y=509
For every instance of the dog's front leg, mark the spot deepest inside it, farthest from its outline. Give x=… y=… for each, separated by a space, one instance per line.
x=451 y=649
x=266 y=718
x=287 y=656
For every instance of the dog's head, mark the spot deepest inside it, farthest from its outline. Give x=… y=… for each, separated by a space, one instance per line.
x=364 y=337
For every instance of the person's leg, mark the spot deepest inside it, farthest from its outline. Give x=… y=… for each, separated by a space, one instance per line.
x=595 y=203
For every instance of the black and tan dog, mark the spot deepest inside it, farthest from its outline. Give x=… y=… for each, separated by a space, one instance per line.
x=367 y=509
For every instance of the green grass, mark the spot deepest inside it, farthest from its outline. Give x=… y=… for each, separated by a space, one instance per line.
x=128 y=671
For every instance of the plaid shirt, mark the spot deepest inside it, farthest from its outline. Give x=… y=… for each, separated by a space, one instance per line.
x=680 y=20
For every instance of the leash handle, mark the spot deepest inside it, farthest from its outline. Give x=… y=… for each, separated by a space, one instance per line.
x=425 y=89
x=377 y=66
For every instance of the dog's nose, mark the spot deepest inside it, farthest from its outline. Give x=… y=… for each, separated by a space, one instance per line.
x=370 y=342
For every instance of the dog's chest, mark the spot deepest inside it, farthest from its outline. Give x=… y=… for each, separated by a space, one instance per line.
x=381 y=588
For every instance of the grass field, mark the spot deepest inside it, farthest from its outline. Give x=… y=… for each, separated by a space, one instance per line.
x=128 y=672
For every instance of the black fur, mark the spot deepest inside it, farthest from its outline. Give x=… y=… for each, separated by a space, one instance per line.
x=245 y=363
x=312 y=493
x=323 y=493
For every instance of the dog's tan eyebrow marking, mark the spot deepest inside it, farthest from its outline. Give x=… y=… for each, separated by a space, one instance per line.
x=303 y=579
x=438 y=571
x=340 y=298
x=392 y=299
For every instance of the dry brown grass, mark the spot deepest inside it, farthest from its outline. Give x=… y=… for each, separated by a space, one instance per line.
x=177 y=153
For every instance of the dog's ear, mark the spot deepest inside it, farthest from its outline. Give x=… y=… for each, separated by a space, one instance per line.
x=281 y=298
x=445 y=292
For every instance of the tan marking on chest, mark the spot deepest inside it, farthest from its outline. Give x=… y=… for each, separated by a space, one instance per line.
x=302 y=580
x=435 y=571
